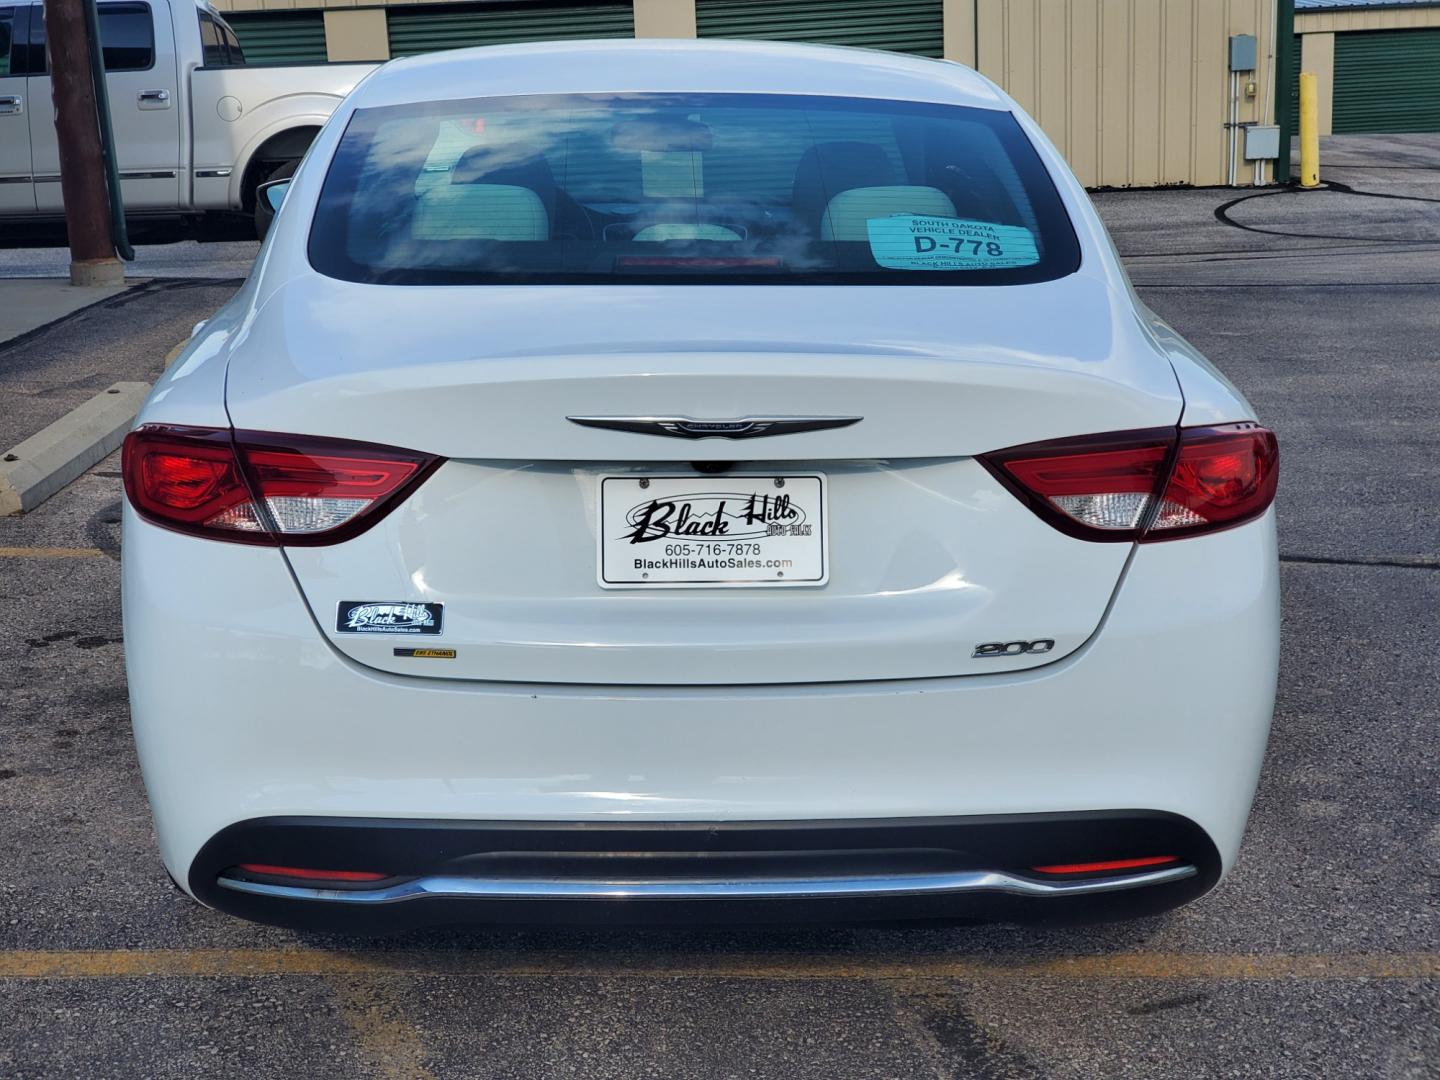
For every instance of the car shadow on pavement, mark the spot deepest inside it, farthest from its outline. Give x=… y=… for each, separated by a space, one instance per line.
x=743 y=950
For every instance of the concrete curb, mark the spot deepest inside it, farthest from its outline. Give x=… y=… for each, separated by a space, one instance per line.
x=47 y=461
x=11 y=338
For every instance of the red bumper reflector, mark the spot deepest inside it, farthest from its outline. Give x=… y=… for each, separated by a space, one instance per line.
x=1112 y=864
x=312 y=875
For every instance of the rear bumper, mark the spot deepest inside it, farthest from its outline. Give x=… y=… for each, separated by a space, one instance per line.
x=243 y=712
x=441 y=872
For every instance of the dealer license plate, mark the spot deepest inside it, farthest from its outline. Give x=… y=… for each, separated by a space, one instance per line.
x=712 y=531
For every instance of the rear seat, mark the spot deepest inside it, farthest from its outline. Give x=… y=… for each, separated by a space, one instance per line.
x=847 y=213
x=480 y=212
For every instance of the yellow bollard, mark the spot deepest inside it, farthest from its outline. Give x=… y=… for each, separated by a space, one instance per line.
x=1309 y=131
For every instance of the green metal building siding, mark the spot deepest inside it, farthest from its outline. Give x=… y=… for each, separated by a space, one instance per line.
x=908 y=26
x=280 y=37
x=1387 y=80
x=430 y=29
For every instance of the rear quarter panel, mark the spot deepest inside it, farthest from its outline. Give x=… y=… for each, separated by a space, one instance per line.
x=1210 y=398
x=191 y=392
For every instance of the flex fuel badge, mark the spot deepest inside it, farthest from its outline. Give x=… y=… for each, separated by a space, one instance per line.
x=383 y=617
x=427 y=654
x=916 y=242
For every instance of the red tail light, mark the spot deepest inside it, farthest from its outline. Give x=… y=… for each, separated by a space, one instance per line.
x=1223 y=476
x=257 y=488
x=1155 y=484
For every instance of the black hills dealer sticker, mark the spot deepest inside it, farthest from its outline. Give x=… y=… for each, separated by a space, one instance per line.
x=382 y=617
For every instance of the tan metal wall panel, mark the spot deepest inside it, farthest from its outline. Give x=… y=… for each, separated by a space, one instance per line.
x=665 y=18
x=960 y=31
x=1328 y=22
x=1317 y=56
x=1083 y=120
x=1118 y=57
x=356 y=34
x=1134 y=92
x=1211 y=90
x=1018 y=38
x=1146 y=106
x=1053 y=57
x=1177 y=88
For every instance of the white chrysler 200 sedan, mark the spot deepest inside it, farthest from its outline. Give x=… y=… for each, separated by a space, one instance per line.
x=650 y=481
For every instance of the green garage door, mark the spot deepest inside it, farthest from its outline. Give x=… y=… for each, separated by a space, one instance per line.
x=280 y=38
x=1387 y=80
x=908 y=26
x=458 y=26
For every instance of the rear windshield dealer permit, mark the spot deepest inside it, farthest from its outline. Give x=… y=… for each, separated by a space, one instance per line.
x=388 y=617
x=922 y=242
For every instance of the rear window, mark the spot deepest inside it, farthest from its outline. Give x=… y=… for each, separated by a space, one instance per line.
x=738 y=188
x=212 y=48
x=127 y=38
x=7 y=36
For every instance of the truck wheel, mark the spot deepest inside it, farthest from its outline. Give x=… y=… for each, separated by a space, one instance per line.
x=263 y=214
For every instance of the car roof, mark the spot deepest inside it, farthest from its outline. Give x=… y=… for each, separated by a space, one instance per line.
x=678 y=66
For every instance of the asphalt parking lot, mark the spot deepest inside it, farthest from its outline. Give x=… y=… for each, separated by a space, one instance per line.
x=1318 y=957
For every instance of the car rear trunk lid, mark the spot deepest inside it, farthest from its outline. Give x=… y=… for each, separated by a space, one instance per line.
x=927 y=556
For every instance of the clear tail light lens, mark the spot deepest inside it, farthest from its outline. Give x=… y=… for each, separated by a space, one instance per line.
x=1149 y=485
x=259 y=488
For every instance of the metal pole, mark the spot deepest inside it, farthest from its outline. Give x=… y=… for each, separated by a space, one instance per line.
x=1285 y=67
x=1266 y=103
x=1309 y=131
x=1230 y=177
x=107 y=134
x=82 y=164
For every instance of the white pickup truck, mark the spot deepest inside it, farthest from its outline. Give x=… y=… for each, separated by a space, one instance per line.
x=196 y=128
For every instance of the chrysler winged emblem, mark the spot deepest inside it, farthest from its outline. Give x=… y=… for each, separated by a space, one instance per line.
x=685 y=427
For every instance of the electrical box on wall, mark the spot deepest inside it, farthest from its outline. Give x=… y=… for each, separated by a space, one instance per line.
x=1242 y=52
x=1262 y=142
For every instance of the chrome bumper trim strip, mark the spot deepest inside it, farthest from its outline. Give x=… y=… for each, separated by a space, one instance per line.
x=959 y=882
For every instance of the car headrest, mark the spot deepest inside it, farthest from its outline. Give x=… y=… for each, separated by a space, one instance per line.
x=489 y=165
x=828 y=168
x=480 y=212
x=848 y=212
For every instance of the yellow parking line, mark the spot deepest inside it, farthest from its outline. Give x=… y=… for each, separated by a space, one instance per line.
x=50 y=553
x=246 y=963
